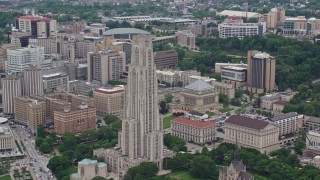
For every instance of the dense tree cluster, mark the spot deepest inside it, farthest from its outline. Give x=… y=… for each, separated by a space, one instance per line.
x=75 y=148
x=145 y=170
x=306 y=101
x=174 y=143
x=297 y=62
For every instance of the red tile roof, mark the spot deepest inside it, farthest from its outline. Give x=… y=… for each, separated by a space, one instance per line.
x=199 y=124
x=247 y=122
x=34 y=18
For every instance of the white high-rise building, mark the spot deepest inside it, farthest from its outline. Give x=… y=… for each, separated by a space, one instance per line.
x=21 y=58
x=141 y=138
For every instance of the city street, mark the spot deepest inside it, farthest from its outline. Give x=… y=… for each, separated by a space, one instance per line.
x=36 y=161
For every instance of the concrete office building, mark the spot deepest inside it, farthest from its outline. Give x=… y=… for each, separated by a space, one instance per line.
x=261 y=72
x=141 y=137
x=295 y=26
x=32 y=81
x=11 y=88
x=29 y=112
x=199 y=96
x=186 y=39
x=54 y=81
x=313 y=138
x=6 y=138
x=252 y=133
x=78 y=26
x=166 y=59
x=3 y=53
x=240 y=30
x=233 y=73
x=288 y=123
x=21 y=58
x=109 y=101
x=74 y=120
x=200 y=132
x=218 y=66
x=88 y=169
x=105 y=65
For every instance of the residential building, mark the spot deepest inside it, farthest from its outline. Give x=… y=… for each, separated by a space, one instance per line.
x=199 y=96
x=88 y=169
x=267 y=101
x=311 y=123
x=200 y=132
x=74 y=120
x=236 y=170
x=78 y=26
x=166 y=59
x=145 y=127
x=109 y=101
x=105 y=65
x=11 y=88
x=55 y=80
x=252 y=133
x=261 y=72
x=32 y=81
x=6 y=138
x=38 y=26
x=289 y=124
x=241 y=30
x=200 y=29
x=29 y=112
x=275 y=18
x=186 y=39
x=20 y=59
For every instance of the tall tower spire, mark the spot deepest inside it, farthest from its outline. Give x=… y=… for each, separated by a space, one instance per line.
x=142 y=135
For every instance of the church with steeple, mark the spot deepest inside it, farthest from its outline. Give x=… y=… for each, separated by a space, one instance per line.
x=236 y=170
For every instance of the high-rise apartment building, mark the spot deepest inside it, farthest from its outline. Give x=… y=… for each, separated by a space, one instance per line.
x=38 y=26
x=29 y=112
x=74 y=120
x=105 y=65
x=186 y=39
x=109 y=101
x=3 y=54
x=32 y=81
x=141 y=138
x=261 y=72
x=21 y=58
x=275 y=17
x=11 y=88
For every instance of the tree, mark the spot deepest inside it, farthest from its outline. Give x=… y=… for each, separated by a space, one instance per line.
x=39 y=141
x=203 y=167
x=40 y=131
x=180 y=84
x=239 y=92
x=168 y=97
x=109 y=119
x=299 y=145
x=163 y=107
x=90 y=93
x=223 y=99
x=45 y=148
x=174 y=143
x=145 y=170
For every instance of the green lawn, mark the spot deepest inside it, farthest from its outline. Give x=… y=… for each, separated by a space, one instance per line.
x=210 y=113
x=179 y=175
x=5 y=177
x=224 y=110
x=167 y=121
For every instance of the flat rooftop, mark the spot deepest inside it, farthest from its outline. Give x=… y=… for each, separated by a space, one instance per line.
x=239 y=13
